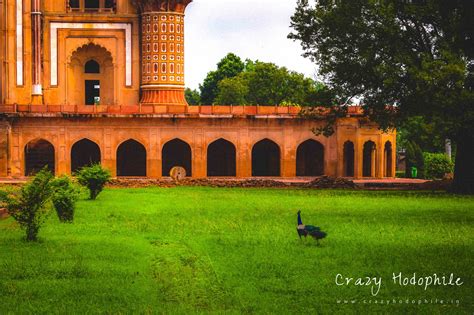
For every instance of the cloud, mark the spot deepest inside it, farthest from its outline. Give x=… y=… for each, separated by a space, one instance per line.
x=251 y=29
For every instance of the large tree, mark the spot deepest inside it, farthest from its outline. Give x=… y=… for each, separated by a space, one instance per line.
x=229 y=67
x=414 y=55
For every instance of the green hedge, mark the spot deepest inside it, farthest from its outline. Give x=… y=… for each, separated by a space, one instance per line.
x=437 y=165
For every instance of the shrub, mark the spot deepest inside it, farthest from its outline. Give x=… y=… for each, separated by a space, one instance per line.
x=437 y=165
x=64 y=198
x=28 y=205
x=94 y=178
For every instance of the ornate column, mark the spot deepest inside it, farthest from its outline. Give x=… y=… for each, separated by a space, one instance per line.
x=37 y=88
x=162 y=51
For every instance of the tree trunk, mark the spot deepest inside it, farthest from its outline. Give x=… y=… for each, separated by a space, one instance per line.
x=464 y=168
x=31 y=234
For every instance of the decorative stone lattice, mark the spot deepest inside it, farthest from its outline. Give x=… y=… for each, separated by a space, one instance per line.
x=162 y=49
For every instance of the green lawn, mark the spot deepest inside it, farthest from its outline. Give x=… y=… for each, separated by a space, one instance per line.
x=203 y=250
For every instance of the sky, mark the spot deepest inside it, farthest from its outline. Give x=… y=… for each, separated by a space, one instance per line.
x=250 y=29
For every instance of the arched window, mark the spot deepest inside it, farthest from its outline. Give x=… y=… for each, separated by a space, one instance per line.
x=388 y=152
x=84 y=153
x=369 y=159
x=176 y=153
x=92 y=66
x=131 y=159
x=266 y=158
x=38 y=154
x=310 y=159
x=349 y=155
x=91 y=4
x=74 y=4
x=221 y=159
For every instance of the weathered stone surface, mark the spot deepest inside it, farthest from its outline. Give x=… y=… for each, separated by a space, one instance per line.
x=331 y=182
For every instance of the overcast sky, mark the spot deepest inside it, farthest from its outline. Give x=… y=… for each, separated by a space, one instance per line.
x=251 y=29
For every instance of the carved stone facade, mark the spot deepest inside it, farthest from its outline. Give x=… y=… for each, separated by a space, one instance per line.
x=103 y=81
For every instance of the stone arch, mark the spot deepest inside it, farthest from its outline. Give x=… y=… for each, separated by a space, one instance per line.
x=131 y=159
x=84 y=152
x=82 y=84
x=348 y=159
x=38 y=154
x=310 y=158
x=221 y=158
x=369 y=159
x=266 y=158
x=388 y=157
x=176 y=152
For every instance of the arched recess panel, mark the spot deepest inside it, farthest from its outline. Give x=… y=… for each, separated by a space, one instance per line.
x=388 y=155
x=221 y=160
x=266 y=158
x=131 y=159
x=348 y=158
x=310 y=159
x=84 y=153
x=176 y=153
x=38 y=154
x=369 y=159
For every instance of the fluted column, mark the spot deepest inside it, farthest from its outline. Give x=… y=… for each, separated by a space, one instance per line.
x=162 y=57
x=37 y=88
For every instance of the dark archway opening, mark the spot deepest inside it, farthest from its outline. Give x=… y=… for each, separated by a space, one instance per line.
x=131 y=159
x=91 y=4
x=266 y=158
x=38 y=154
x=368 y=167
x=84 y=153
x=92 y=66
x=310 y=159
x=221 y=160
x=349 y=155
x=388 y=159
x=176 y=153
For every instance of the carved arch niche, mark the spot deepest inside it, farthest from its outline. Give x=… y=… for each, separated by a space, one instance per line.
x=77 y=74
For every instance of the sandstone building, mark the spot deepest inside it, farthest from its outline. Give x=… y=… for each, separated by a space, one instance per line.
x=87 y=81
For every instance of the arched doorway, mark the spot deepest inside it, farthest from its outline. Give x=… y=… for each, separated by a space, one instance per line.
x=91 y=78
x=176 y=153
x=221 y=159
x=131 y=159
x=348 y=156
x=38 y=154
x=310 y=159
x=84 y=153
x=388 y=156
x=368 y=167
x=266 y=158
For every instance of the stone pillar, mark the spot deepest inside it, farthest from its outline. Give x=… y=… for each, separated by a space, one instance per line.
x=358 y=156
x=37 y=88
x=162 y=59
x=244 y=154
x=5 y=140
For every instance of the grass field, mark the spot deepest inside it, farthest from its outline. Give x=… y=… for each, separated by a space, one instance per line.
x=204 y=250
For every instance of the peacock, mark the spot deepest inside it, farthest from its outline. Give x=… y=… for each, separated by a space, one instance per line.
x=313 y=231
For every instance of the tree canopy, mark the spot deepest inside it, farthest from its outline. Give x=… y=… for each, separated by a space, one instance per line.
x=256 y=83
x=414 y=55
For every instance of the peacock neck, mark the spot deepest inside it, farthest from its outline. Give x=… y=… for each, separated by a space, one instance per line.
x=299 y=219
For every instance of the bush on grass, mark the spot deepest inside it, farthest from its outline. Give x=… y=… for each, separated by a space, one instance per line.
x=94 y=178
x=64 y=198
x=28 y=206
x=437 y=165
